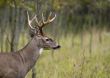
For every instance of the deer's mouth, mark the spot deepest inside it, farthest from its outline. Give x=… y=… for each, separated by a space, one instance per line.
x=56 y=47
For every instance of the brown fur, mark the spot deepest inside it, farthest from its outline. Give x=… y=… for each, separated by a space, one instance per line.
x=17 y=64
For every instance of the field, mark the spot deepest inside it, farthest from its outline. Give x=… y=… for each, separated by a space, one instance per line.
x=79 y=57
x=81 y=27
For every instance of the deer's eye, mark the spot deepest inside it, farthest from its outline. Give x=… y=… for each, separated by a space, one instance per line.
x=47 y=39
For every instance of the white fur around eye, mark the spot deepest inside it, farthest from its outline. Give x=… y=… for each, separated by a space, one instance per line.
x=41 y=51
x=46 y=38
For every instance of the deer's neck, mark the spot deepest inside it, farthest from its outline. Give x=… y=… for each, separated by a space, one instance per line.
x=30 y=54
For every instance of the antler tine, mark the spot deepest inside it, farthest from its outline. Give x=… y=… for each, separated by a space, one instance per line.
x=43 y=18
x=30 y=21
x=37 y=21
x=48 y=20
x=52 y=18
x=49 y=15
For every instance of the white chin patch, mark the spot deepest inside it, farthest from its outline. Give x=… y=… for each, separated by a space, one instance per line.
x=41 y=51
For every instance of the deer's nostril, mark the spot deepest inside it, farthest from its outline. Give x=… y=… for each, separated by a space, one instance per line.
x=57 y=47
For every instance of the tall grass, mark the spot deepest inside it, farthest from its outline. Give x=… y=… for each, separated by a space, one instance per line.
x=74 y=61
x=80 y=56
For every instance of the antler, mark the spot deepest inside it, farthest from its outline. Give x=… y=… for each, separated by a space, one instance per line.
x=42 y=23
x=30 y=21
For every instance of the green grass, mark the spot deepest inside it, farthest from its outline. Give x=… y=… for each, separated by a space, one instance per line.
x=74 y=61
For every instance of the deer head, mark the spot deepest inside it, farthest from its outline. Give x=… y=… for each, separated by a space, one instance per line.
x=42 y=40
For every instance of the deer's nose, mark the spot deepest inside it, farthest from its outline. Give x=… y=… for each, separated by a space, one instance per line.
x=57 y=47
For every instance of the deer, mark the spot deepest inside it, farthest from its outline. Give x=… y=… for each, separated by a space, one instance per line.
x=17 y=64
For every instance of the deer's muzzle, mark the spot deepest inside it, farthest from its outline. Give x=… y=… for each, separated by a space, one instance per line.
x=57 y=47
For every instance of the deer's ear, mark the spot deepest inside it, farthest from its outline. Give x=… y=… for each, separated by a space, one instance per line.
x=32 y=33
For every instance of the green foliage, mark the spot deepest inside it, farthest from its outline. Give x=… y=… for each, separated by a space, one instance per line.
x=2 y=3
x=18 y=4
x=103 y=4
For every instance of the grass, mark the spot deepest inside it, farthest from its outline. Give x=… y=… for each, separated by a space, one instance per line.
x=74 y=61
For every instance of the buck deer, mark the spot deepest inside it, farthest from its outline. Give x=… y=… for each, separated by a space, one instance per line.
x=18 y=64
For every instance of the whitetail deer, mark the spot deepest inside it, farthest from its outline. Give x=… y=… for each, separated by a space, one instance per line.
x=18 y=64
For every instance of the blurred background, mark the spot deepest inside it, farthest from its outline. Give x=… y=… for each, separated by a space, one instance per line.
x=82 y=28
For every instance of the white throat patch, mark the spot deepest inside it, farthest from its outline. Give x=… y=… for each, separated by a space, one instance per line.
x=41 y=51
